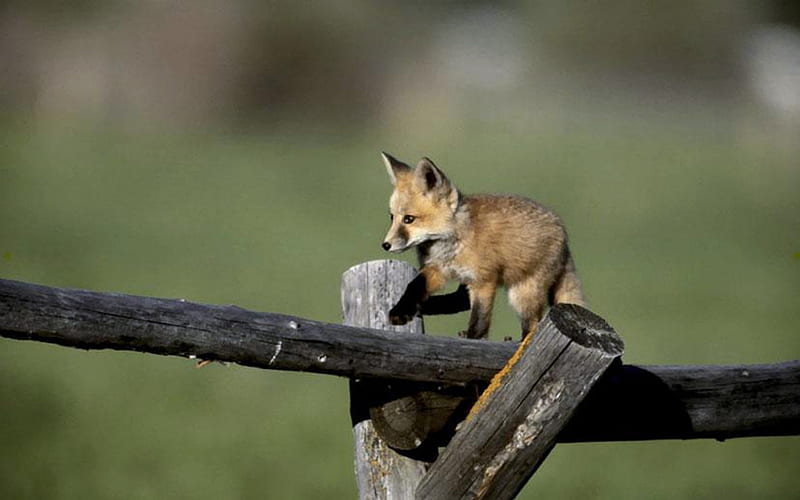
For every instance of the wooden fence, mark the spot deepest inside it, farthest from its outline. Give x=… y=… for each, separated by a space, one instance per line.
x=495 y=408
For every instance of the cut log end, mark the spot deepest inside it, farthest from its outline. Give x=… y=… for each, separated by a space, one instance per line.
x=587 y=329
x=409 y=423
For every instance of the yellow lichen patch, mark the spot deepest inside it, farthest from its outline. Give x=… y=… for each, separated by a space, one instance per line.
x=499 y=376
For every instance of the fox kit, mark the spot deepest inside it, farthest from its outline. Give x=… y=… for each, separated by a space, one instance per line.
x=481 y=241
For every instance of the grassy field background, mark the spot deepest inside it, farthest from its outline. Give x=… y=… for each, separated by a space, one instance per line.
x=686 y=242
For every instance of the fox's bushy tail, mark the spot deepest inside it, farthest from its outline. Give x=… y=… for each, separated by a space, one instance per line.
x=567 y=288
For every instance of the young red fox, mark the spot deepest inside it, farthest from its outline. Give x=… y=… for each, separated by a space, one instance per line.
x=482 y=241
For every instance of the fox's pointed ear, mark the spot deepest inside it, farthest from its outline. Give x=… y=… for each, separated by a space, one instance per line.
x=430 y=176
x=394 y=167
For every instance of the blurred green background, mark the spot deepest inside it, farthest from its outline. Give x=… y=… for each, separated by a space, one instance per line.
x=227 y=153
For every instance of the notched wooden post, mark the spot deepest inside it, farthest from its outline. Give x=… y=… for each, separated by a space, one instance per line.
x=369 y=290
x=516 y=422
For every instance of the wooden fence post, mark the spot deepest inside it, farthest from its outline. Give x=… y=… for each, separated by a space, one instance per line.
x=516 y=421
x=369 y=290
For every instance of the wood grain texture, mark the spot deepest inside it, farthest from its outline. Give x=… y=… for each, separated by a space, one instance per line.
x=369 y=290
x=523 y=410
x=629 y=403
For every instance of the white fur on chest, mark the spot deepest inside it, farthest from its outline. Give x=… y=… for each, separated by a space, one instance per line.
x=443 y=254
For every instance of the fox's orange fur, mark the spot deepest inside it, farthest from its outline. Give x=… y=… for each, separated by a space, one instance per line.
x=481 y=241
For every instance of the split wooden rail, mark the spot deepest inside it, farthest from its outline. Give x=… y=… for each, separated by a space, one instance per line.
x=510 y=403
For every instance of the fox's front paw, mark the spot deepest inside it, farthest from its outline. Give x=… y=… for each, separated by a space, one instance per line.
x=402 y=313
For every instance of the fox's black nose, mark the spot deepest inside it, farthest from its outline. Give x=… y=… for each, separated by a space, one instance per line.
x=386 y=245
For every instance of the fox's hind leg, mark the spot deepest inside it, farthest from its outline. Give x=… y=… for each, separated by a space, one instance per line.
x=481 y=300
x=529 y=299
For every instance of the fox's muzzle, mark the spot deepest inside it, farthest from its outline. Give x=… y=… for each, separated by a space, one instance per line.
x=392 y=246
x=396 y=239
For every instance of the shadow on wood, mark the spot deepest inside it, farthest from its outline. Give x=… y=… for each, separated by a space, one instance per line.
x=689 y=402
x=628 y=403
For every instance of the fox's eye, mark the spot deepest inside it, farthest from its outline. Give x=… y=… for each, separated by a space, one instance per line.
x=408 y=219
x=391 y=216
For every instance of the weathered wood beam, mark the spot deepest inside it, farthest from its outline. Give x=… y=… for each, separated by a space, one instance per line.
x=629 y=403
x=518 y=418
x=173 y=327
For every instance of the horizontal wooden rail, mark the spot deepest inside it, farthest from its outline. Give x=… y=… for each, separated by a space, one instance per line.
x=631 y=402
x=173 y=327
